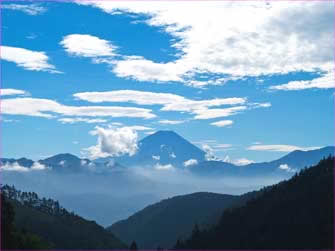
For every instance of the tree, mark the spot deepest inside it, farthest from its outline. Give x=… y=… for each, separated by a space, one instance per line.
x=133 y=246
x=7 y=224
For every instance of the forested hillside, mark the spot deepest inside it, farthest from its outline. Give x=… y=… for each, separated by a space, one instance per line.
x=25 y=212
x=294 y=214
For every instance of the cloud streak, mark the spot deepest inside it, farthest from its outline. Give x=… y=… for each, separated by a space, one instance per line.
x=280 y=148
x=30 y=9
x=47 y=108
x=27 y=59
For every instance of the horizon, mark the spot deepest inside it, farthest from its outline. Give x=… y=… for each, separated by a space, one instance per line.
x=218 y=159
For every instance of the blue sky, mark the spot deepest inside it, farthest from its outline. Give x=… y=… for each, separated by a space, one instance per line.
x=251 y=88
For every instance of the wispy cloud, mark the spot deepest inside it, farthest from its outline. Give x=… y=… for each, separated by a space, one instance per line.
x=47 y=108
x=324 y=82
x=77 y=120
x=27 y=59
x=280 y=148
x=222 y=123
x=13 y=92
x=171 y=122
x=30 y=9
x=202 y=109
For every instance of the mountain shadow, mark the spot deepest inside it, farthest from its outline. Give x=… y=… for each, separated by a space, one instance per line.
x=294 y=214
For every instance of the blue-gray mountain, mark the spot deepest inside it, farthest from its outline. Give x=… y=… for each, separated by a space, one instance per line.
x=167 y=147
x=163 y=147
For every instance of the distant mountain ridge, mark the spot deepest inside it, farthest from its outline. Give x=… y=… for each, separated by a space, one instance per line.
x=286 y=165
x=169 y=148
x=160 y=224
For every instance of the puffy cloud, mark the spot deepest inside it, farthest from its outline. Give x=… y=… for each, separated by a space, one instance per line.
x=38 y=166
x=280 y=148
x=271 y=41
x=190 y=162
x=156 y=157
x=11 y=92
x=27 y=59
x=76 y=120
x=142 y=69
x=324 y=82
x=30 y=9
x=222 y=123
x=87 y=46
x=209 y=152
x=113 y=142
x=167 y=167
x=286 y=168
x=16 y=167
x=170 y=122
x=45 y=107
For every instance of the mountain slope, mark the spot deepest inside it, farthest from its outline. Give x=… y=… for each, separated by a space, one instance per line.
x=294 y=214
x=294 y=162
x=162 y=223
x=163 y=147
x=63 y=230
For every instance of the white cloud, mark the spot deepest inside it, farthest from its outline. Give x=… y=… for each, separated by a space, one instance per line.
x=15 y=166
x=156 y=157
x=190 y=162
x=11 y=92
x=209 y=152
x=113 y=142
x=45 y=108
x=38 y=166
x=286 y=168
x=268 y=40
x=30 y=9
x=324 y=82
x=169 y=101
x=172 y=155
x=238 y=162
x=280 y=148
x=170 y=122
x=27 y=59
x=87 y=46
x=139 y=128
x=243 y=162
x=76 y=120
x=167 y=167
x=218 y=113
x=222 y=123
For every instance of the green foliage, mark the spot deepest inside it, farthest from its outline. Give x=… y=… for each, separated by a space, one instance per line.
x=294 y=214
x=11 y=238
x=44 y=219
